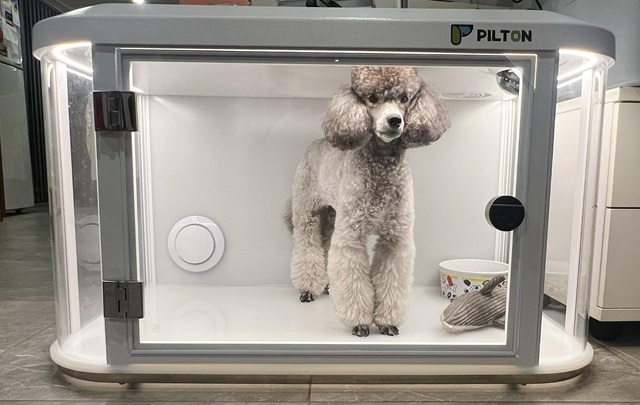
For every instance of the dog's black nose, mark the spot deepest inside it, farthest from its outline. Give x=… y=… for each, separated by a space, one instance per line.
x=394 y=122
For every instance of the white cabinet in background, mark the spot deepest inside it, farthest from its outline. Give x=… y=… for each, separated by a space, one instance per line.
x=616 y=261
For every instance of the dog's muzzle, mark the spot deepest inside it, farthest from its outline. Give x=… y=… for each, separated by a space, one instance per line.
x=389 y=124
x=391 y=129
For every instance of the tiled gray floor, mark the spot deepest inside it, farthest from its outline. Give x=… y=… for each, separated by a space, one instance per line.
x=27 y=375
x=22 y=319
x=31 y=227
x=26 y=280
x=25 y=257
x=608 y=379
x=30 y=250
x=627 y=346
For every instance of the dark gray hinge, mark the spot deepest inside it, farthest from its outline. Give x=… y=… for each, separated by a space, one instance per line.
x=114 y=111
x=122 y=299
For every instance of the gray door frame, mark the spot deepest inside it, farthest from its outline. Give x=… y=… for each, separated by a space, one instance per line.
x=118 y=233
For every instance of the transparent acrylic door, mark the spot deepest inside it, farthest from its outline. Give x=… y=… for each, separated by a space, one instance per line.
x=67 y=86
x=214 y=161
x=572 y=207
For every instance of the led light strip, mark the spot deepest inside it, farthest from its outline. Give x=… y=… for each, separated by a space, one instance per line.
x=77 y=67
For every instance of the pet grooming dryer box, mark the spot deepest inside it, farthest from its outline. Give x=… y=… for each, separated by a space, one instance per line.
x=174 y=133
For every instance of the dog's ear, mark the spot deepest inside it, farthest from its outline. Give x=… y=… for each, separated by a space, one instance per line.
x=426 y=119
x=346 y=124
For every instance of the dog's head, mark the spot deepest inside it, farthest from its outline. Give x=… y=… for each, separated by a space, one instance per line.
x=386 y=102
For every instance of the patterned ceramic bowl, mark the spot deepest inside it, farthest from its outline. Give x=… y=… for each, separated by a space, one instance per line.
x=461 y=276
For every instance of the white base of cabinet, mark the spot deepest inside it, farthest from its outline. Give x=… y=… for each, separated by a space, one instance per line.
x=83 y=354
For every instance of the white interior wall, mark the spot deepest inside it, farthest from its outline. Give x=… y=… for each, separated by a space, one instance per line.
x=233 y=160
x=563 y=186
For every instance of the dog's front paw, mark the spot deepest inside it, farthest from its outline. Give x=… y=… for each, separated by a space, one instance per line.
x=306 y=296
x=389 y=330
x=360 y=330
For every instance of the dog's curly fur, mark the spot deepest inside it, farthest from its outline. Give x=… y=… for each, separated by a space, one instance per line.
x=356 y=183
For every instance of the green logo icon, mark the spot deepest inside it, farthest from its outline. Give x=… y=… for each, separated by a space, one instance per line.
x=459 y=31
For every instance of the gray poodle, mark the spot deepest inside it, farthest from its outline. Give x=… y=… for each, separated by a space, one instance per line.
x=355 y=183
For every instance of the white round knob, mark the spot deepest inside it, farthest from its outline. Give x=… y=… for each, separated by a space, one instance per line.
x=195 y=243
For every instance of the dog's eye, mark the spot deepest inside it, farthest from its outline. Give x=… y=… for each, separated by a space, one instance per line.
x=373 y=99
x=404 y=98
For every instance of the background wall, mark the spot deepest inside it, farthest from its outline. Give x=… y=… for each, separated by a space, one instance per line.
x=622 y=17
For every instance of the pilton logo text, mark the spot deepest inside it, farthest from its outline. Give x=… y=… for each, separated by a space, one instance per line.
x=460 y=31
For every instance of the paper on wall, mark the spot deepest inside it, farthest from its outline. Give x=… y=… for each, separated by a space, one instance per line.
x=10 y=46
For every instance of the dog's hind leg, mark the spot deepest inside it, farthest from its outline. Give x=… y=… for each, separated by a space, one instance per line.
x=392 y=276
x=327 y=225
x=308 y=260
x=287 y=216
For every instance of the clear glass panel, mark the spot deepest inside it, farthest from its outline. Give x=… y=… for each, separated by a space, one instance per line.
x=54 y=178
x=68 y=86
x=573 y=189
x=83 y=152
x=216 y=157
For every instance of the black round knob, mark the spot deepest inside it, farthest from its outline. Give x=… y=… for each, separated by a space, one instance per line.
x=505 y=213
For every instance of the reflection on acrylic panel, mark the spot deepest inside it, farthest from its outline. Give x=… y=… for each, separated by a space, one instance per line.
x=83 y=170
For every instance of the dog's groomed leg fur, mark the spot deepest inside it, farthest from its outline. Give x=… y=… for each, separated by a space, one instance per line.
x=392 y=275
x=308 y=260
x=349 y=272
x=308 y=264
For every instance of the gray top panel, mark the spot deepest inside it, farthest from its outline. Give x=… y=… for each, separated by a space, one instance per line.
x=321 y=28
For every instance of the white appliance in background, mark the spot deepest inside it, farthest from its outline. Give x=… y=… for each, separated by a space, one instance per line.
x=616 y=261
x=14 y=140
